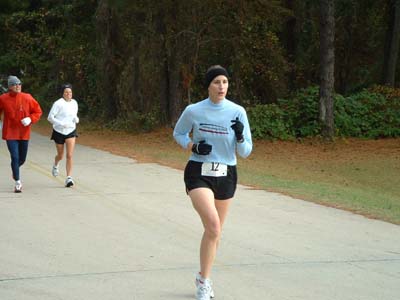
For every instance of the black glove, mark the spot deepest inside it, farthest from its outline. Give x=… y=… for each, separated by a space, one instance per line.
x=202 y=148
x=238 y=128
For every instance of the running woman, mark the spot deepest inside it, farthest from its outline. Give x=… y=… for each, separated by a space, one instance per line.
x=64 y=117
x=220 y=128
x=20 y=111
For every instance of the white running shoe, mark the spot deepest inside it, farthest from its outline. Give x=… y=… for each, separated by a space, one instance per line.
x=204 y=288
x=55 y=171
x=18 y=186
x=69 y=182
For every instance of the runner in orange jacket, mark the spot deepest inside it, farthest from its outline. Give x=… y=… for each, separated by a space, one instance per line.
x=19 y=110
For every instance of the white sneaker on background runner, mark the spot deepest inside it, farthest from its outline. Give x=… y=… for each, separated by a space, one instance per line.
x=18 y=186
x=55 y=171
x=69 y=182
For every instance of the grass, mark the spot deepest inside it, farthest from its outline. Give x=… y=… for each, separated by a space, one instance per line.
x=362 y=176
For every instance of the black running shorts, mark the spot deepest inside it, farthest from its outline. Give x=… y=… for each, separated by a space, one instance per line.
x=223 y=187
x=60 y=138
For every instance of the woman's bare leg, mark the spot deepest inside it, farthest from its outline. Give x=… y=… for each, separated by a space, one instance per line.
x=60 y=154
x=212 y=216
x=70 y=145
x=222 y=207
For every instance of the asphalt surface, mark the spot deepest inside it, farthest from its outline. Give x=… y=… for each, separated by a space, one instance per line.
x=127 y=230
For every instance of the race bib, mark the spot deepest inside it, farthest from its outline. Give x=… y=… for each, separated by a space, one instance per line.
x=213 y=169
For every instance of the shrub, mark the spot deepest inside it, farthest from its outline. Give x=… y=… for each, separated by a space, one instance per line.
x=267 y=122
x=135 y=122
x=367 y=114
x=289 y=118
x=301 y=112
x=370 y=113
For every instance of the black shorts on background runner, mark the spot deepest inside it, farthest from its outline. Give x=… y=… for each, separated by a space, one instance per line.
x=60 y=138
x=223 y=187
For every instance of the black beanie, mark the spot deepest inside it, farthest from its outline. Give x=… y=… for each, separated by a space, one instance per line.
x=213 y=72
x=65 y=86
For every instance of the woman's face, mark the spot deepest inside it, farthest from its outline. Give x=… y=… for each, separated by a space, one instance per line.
x=67 y=95
x=218 y=88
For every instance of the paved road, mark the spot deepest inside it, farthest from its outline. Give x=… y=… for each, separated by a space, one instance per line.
x=127 y=231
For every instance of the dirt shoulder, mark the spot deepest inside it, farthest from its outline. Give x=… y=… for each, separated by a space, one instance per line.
x=139 y=146
x=357 y=175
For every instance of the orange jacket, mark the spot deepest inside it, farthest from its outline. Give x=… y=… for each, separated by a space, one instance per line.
x=15 y=107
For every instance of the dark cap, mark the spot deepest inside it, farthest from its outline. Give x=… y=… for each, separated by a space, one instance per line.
x=65 y=86
x=213 y=72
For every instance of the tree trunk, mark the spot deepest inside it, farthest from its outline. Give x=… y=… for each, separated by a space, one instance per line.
x=392 y=44
x=327 y=61
x=161 y=30
x=175 y=97
x=291 y=43
x=344 y=69
x=107 y=67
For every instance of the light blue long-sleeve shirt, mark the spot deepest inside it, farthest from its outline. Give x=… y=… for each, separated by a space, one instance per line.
x=212 y=122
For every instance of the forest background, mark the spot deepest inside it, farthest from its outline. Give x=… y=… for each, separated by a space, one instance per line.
x=135 y=65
